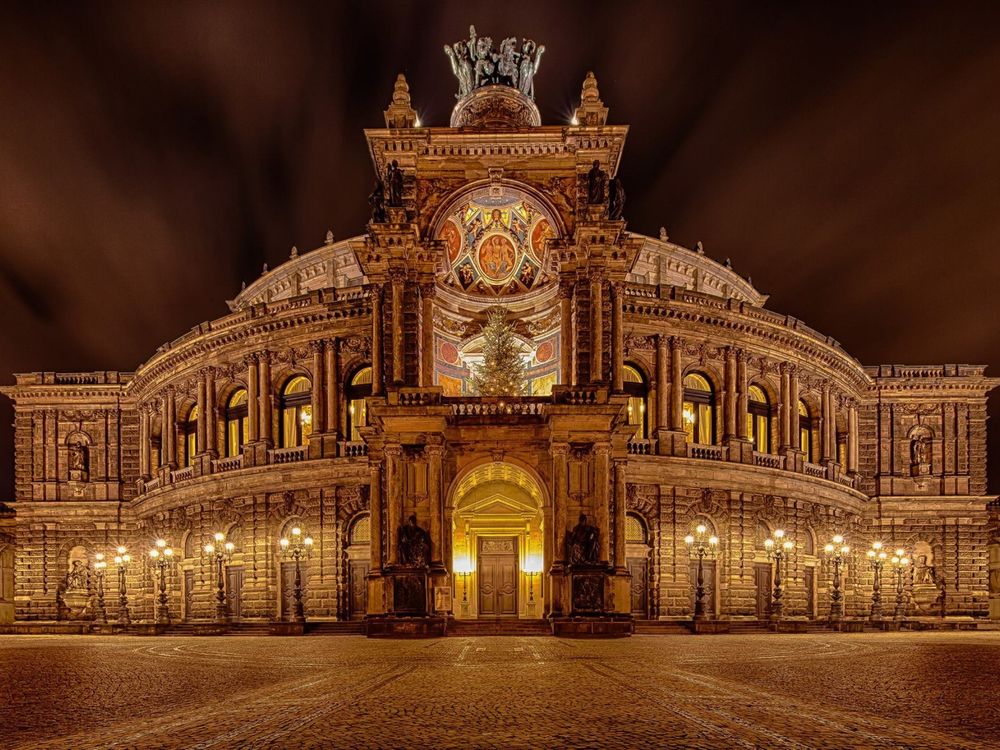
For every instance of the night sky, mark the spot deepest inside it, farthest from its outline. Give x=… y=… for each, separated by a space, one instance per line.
x=153 y=156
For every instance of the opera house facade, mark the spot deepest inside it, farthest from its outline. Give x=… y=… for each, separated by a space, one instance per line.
x=670 y=426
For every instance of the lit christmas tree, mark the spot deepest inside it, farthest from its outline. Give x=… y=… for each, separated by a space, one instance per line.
x=502 y=370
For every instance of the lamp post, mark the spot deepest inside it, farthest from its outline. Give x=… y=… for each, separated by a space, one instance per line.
x=100 y=565
x=777 y=548
x=463 y=568
x=876 y=557
x=122 y=559
x=836 y=551
x=900 y=563
x=296 y=548
x=162 y=556
x=222 y=551
x=703 y=546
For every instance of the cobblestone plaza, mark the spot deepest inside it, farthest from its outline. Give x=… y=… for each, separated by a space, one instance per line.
x=913 y=690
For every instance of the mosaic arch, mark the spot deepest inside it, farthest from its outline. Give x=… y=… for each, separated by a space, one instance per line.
x=496 y=243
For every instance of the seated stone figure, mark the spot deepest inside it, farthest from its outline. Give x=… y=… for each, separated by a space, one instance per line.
x=414 y=545
x=583 y=543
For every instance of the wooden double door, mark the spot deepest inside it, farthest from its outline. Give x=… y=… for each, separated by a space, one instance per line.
x=497 y=576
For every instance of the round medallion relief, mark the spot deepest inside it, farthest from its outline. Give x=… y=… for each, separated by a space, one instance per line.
x=497 y=257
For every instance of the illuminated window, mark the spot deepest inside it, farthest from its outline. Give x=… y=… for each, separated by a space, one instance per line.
x=237 y=426
x=361 y=530
x=805 y=431
x=359 y=388
x=190 y=434
x=635 y=386
x=543 y=386
x=758 y=419
x=842 y=448
x=635 y=529
x=699 y=409
x=296 y=412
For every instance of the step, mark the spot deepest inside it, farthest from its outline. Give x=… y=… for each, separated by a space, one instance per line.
x=499 y=627
x=345 y=627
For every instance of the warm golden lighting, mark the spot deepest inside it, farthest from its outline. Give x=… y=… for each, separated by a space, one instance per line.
x=210 y=549
x=713 y=541
x=219 y=536
x=700 y=528
x=689 y=539
x=283 y=543
x=296 y=531
x=161 y=543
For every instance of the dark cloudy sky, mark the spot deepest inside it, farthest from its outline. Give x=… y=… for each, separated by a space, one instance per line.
x=153 y=155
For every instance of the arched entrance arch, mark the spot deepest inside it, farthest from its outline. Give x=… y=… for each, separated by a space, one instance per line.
x=498 y=529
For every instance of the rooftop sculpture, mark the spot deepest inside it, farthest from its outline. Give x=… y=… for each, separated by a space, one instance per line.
x=475 y=63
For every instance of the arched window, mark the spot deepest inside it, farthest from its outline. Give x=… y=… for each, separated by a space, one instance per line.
x=296 y=412
x=758 y=419
x=237 y=426
x=189 y=428
x=635 y=530
x=358 y=388
x=635 y=387
x=805 y=431
x=699 y=409
x=361 y=530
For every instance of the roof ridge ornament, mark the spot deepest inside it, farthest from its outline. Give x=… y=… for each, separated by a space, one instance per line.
x=400 y=113
x=591 y=111
x=475 y=63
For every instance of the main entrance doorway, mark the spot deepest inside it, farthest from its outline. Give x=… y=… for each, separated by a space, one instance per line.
x=498 y=576
x=498 y=543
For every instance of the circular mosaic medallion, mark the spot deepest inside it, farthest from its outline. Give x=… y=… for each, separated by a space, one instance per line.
x=497 y=257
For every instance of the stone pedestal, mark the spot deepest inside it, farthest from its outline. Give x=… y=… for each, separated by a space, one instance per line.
x=671 y=443
x=406 y=627
x=593 y=591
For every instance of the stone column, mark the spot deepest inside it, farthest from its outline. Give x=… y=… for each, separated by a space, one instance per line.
x=200 y=435
x=567 y=339
x=793 y=409
x=375 y=294
x=602 y=482
x=560 y=478
x=617 y=338
x=676 y=386
x=211 y=414
x=170 y=428
x=375 y=504
x=596 y=329
x=318 y=389
x=662 y=384
x=331 y=366
x=730 y=396
x=144 y=443
x=784 y=410
x=253 y=399
x=825 y=431
x=742 y=402
x=619 y=469
x=393 y=498
x=427 y=292
x=434 y=454
x=264 y=398
x=397 y=328
x=852 y=439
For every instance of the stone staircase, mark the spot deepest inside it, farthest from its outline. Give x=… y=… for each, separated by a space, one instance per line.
x=661 y=627
x=498 y=626
x=345 y=627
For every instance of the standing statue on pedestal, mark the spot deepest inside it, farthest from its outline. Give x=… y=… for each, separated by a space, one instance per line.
x=529 y=67
x=414 y=545
x=597 y=183
x=616 y=198
x=583 y=544
x=461 y=66
x=377 y=202
x=394 y=179
x=475 y=63
x=507 y=68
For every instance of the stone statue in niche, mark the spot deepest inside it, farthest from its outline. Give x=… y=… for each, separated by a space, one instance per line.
x=583 y=543
x=597 y=184
x=616 y=198
x=918 y=449
x=414 y=545
x=377 y=202
x=77 y=577
x=394 y=179
x=78 y=462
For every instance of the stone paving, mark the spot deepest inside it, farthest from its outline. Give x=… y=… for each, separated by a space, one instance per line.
x=907 y=690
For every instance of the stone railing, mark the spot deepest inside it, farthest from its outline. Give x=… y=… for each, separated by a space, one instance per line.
x=848 y=480
x=182 y=475
x=640 y=447
x=579 y=395
x=288 y=455
x=231 y=463
x=353 y=449
x=416 y=396
x=481 y=407
x=769 y=460
x=814 y=470
x=153 y=483
x=710 y=452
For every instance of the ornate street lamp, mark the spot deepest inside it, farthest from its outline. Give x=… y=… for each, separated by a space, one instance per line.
x=122 y=559
x=296 y=548
x=162 y=557
x=836 y=550
x=532 y=568
x=900 y=564
x=877 y=557
x=777 y=548
x=703 y=546
x=100 y=565
x=223 y=552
